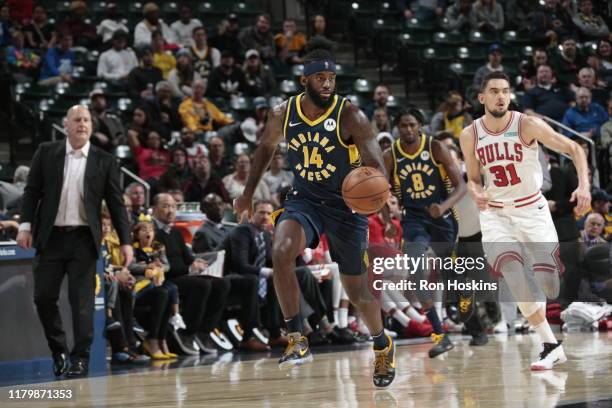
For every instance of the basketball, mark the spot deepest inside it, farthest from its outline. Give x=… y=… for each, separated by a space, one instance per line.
x=365 y=190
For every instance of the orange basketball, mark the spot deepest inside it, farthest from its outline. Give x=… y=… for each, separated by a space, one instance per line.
x=365 y=190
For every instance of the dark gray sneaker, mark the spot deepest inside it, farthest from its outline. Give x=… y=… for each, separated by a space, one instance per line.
x=479 y=339
x=442 y=344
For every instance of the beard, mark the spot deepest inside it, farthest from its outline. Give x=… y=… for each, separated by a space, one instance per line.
x=497 y=114
x=316 y=98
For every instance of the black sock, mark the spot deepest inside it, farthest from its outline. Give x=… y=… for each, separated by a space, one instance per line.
x=434 y=320
x=294 y=324
x=381 y=340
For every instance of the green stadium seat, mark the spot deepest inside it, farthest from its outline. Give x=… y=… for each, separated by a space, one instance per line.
x=389 y=8
x=526 y=51
x=381 y=25
x=414 y=39
x=77 y=91
x=288 y=87
x=242 y=104
x=471 y=54
x=435 y=54
x=210 y=7
x=516 y=38
x=59 y=107
x=479 y=37
x=448 y=38
x=33 y=91
x=123 y=152
x=135 y=9
x=246 y=9
x=414 y=25
x=170 y=11
x=297 y=70
x=346 y=71
x=364 y=8
x=358 y=100
x=363 y=87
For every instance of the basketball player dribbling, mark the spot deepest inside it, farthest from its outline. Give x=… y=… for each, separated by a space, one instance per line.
x=326 y=137
x=514 y=215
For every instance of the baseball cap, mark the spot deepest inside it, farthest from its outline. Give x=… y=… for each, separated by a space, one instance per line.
x=495 y=48
x=183 y=52
x=249 y=129
x=384 y=135
x=260 y=102
x=251 y=53
x=96 y=92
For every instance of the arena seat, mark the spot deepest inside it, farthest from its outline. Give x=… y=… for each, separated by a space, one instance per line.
x=465 y=54
x=358 y=100
x=437 y=54
x=416 y=25
x=450 y=38
x=363 y=87
x=479 y=37
x=288 y=87
x=516 y=38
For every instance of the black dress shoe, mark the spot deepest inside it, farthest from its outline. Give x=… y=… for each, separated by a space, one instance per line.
x=60 y=364
x=79 y=368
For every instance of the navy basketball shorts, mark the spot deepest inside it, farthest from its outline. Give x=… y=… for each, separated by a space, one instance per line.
x=347 y=232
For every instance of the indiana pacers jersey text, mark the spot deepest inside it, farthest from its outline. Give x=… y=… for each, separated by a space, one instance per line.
x=316 y=153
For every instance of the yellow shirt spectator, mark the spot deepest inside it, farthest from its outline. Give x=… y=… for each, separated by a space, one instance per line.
x=290 y=42
x=165 y=61
x=202 y=116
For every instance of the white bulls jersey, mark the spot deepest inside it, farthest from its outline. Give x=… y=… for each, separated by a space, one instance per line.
x=511 y=167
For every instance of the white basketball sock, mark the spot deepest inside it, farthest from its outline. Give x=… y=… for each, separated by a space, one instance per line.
x=401 y=318
x=545 y=332
x=413 y=314
x=342 y=317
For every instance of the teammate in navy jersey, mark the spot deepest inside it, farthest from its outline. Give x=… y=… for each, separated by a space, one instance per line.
x=326 y=138
x=427 y=183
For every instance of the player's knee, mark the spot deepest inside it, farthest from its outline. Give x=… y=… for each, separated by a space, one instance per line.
x=354 y=294
x=282 y=251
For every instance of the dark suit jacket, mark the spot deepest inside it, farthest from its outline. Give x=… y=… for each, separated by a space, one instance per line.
x=209 y=238
x=243 y=250
x=564 y=182
x=42 y=194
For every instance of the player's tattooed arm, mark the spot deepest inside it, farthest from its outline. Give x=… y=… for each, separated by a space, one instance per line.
x=271 y=137
x=443 y=156
x=536 y=128
x=467 y=141
x=356 y=125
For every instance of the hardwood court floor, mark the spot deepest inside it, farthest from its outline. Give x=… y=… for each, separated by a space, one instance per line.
x=495 y=375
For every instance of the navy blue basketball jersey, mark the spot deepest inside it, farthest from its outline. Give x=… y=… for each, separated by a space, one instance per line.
x=318 y=156
x=418 y=180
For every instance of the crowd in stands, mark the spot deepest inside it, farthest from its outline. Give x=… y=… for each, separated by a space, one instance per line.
x=184 y=140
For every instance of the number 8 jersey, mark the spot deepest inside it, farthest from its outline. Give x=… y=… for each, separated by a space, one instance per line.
x=511 y=167
x=418 y=180
x=318 y=156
